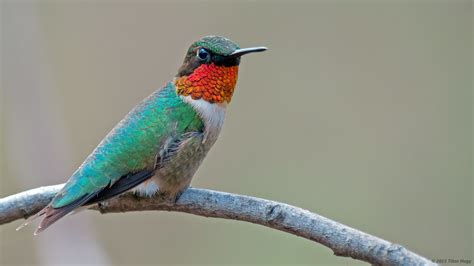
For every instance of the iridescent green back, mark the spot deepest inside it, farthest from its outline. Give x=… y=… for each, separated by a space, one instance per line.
x=133 y=144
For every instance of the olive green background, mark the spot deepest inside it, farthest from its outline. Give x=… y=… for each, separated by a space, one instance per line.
x=359 y=111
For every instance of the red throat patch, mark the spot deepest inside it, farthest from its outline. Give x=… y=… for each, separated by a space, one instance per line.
x=212 y=83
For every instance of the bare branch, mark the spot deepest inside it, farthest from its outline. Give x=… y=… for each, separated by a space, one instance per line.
x=343 y=240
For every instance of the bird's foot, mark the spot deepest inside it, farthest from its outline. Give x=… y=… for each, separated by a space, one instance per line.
x=136 y=196
x=177 y=196
x=169 y=198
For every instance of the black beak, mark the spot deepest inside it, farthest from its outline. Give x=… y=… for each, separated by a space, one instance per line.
x=243 y=51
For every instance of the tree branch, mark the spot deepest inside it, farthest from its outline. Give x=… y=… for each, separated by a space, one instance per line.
x=343 y=240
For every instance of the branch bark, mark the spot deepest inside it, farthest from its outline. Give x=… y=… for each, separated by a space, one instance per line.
x=343 y=240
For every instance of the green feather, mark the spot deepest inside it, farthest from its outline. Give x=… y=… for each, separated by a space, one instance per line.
x=216 y=44
x=133 y=144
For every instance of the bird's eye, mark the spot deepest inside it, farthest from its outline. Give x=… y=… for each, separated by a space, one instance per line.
x=203 y=54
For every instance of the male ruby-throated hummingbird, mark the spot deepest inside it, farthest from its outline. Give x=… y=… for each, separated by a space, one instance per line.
x=160 y=144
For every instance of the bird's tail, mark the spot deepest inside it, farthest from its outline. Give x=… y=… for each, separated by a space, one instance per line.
x=52 y=215
x=31 y=218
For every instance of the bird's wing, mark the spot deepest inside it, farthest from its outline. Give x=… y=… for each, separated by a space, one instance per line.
x=122 y=185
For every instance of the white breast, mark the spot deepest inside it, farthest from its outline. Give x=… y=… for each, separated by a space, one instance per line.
x=213 y=115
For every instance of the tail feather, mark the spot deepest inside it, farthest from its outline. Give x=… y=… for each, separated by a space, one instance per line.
x=52 y=214
x=31 y=218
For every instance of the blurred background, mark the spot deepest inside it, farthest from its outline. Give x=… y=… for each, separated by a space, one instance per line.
x=359 y=111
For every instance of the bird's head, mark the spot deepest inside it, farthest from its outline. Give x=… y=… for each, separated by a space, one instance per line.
x=210 y=69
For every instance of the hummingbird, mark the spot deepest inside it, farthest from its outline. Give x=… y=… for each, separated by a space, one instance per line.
x=159 y=145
